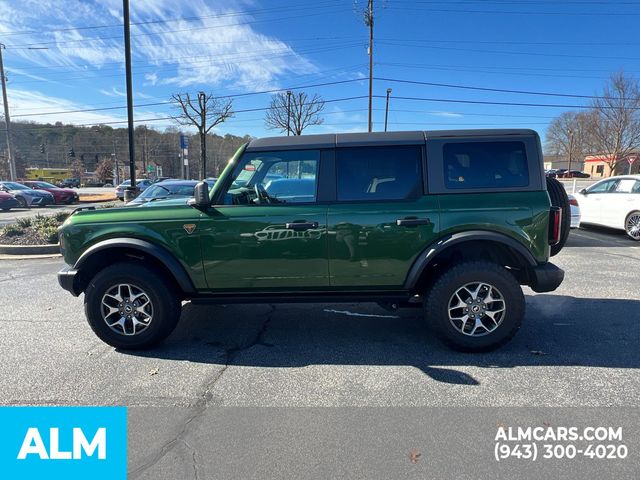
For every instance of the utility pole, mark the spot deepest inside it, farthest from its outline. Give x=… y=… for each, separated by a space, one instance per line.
x=131 y=190
x=368 y=21
x=288 y=112
x=386 y=110
x=7 y=119
x=202 y=100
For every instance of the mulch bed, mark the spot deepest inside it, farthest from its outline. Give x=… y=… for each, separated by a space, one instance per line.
x=29 y=236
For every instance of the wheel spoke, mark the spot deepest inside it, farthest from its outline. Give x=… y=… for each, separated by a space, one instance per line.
x=477 y=302
x=119 y=312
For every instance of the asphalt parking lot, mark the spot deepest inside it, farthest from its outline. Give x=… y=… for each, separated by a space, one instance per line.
x=578 y=348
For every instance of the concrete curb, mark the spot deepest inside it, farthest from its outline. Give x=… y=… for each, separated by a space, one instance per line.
x=30 y=249
x=29 y=257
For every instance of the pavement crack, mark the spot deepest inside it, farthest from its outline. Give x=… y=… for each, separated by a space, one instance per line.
x=200 y=406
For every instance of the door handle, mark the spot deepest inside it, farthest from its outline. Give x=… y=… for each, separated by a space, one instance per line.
x=412 y=222
x=301 y=226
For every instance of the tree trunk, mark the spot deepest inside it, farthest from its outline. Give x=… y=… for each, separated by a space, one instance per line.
x=203 y=155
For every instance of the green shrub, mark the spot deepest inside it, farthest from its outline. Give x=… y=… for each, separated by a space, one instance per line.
x=12 y=230
x=61 y=217
x=24 y=222
x=49 y=233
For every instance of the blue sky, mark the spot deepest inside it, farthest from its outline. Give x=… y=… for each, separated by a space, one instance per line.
x=238 y=47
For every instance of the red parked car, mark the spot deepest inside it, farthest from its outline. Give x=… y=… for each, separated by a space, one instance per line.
x=7 y=201
x=60 y=195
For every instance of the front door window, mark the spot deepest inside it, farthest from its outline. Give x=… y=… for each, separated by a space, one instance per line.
x=274 y=178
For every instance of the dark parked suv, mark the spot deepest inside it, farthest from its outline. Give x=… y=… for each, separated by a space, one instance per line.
x=453 y=221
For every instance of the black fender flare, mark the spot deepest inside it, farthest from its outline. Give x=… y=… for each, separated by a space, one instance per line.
x=427 y=255
x=159 y=253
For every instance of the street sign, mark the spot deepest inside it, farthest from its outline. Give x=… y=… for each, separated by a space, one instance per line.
x=184 y=142
x=631 y=160
x=150 y=168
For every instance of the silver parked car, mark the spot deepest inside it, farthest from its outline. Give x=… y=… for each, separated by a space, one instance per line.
x=142 y=185
x=26 y=196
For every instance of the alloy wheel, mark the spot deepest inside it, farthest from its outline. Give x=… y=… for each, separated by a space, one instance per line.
x=476 y=309
x=127 y=309
x=633 y=226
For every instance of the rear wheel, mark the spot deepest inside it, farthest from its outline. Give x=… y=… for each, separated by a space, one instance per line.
x=632 y=225
x=559 y=198
x=22 y=203
x=130 y=306
x=475 y=306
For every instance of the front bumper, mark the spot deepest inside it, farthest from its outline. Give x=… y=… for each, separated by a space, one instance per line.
x=67 y=279
x=10 y=203
x=42 y=201
x=545 y=278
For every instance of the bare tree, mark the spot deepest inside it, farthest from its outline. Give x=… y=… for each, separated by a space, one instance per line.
x=294 y=112
x=615 y=120
x=569 y=136
x=204 y=112
x=104 y=170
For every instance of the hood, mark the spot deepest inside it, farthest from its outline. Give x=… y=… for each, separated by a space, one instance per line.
x=167 y=203
x=31 y=193
x=150 y=211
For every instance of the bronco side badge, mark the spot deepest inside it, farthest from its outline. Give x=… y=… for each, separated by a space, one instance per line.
x=189 y=227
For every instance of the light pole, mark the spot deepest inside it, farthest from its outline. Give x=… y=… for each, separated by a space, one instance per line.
x=386 y=110
x=288 y=112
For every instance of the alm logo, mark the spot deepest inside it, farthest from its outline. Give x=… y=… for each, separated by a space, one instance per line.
x=34 y=445
x=63 y=442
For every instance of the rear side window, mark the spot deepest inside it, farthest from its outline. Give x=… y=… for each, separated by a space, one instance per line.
x=469 y=165
x=379 y=173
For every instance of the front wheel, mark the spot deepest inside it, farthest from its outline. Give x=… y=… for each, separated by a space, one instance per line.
x=475 y=306
x=632 y=226
x=22 y=203
x=130 y=306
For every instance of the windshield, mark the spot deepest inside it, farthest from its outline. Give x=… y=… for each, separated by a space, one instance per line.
x=44 y=185
x=168 y=190
x=15 y=186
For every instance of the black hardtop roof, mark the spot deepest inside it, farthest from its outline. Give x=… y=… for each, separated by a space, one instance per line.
x=329 y=140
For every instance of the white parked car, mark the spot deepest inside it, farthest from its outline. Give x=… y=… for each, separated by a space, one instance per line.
x=575 y=212
x=613 y=202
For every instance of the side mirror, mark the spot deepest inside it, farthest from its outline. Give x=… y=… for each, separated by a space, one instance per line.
x=201 y=194
x=583 y=191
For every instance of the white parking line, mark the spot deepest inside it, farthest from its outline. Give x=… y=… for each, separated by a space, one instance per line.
x=353 y=314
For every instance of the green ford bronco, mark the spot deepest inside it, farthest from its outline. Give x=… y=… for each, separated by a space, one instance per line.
x=450 y=221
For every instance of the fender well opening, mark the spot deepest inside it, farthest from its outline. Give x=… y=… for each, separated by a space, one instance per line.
x=491 y=250
x=103 y=258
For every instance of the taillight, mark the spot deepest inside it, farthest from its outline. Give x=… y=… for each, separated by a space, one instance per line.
x=555 y=225
x=574 y=202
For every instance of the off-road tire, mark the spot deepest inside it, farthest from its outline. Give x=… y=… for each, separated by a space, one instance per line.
x=437 y=303
x=559 y=198
x=164 y=300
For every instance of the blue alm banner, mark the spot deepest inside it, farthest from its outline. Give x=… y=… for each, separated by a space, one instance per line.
x=63 y=442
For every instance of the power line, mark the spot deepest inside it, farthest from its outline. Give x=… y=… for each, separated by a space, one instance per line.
x=169 y=102
x=157 y=119
x=500 y=90
x=144 y=34
x=484 y=102
x=194 y=64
